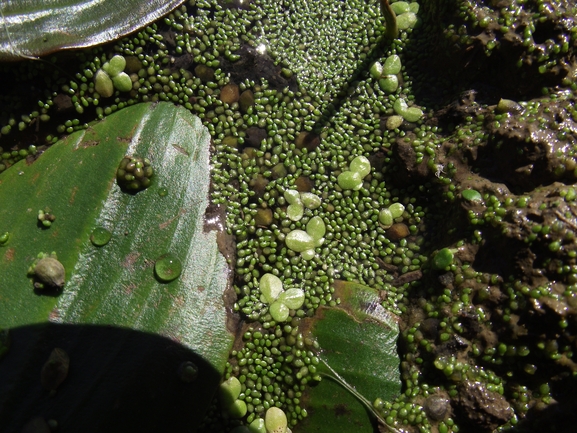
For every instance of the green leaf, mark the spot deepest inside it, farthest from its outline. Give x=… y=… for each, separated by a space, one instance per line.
x=358 y=340
x=115 y=284
x=33 y=28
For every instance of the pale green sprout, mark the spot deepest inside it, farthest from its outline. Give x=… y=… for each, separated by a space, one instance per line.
x=400 y=7
x=298 y=201
x=316 y=229
x=406 y=21
x=389 y=84
x=350 y=180
x=257 y=426
x=386 y=218
x=292 y=298
x=292 y=196
x=392 y=65
x=310 y=200
x=279 y=311
x=295 y=211
x=275 y=420
x=114 y=66
x=270 y=288
x=229 y=392
x=281 y=302
x=393 y=122
x=361 y=165
x=397 y=210
x=376 y=70
x=299 y=241
x=353 y=177
x=410 y=114
x=388 y=215
x=103 y=84
x=112 y=76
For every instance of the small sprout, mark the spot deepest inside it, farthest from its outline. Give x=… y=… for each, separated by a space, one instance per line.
x=410 y=114
x=103 y=84
x=4 y=238
x=389 y=84
x=257 y=426
x=350 y=180
x=295 y=211
x=392 y=65
x=361 y=165
x=47 y=271
x=275 y=420
x=394 y=122
x=406 y=21
x=386 y=218
x=229 y=391
x=397 y=210
x=376 y=70
x=508 y=106
x=309 y=254
x=472 y=195
x=237 y=410
x=281 y=302
x=55 y=370
x=270 y=287
x=299 y=241
x=36 y=425
x=188 y=371
x=316 y=229
x=400 y=7
x=122 y=82
x=115 y=65
x=134 y=173
x=45 y=217
x=310 y=200
x=293 y=298
x=443 y=258
x=279 y=311
x=292 y=196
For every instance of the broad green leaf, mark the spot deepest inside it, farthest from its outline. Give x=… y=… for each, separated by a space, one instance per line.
x=358 y=340
x=115 y=284
x=33 y=28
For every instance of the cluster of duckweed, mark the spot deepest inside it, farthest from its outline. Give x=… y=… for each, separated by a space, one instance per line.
x=271 y=138
x=8 y=158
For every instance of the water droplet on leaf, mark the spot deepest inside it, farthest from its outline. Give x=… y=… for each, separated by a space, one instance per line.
x=100 y=236
x=167 y=267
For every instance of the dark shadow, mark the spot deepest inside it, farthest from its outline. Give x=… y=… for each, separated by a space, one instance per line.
x=119 y=380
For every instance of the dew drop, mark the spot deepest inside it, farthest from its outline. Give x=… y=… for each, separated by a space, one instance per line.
x=167 y=267
x=100 y=236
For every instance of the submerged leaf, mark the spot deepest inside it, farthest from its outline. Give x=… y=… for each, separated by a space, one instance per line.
x=358 y=342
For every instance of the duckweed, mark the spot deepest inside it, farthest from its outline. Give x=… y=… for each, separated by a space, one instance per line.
x=273 y=135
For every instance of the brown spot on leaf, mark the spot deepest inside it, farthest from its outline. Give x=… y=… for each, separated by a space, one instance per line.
x=166 y=223
x=341 y=409
x=181 y=149
x=73 y=195
x=9 y=255
x=130 y=260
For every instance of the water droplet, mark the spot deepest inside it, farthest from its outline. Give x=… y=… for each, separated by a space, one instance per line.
x=167 y=267
x=163 y=192
x=100 y=236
